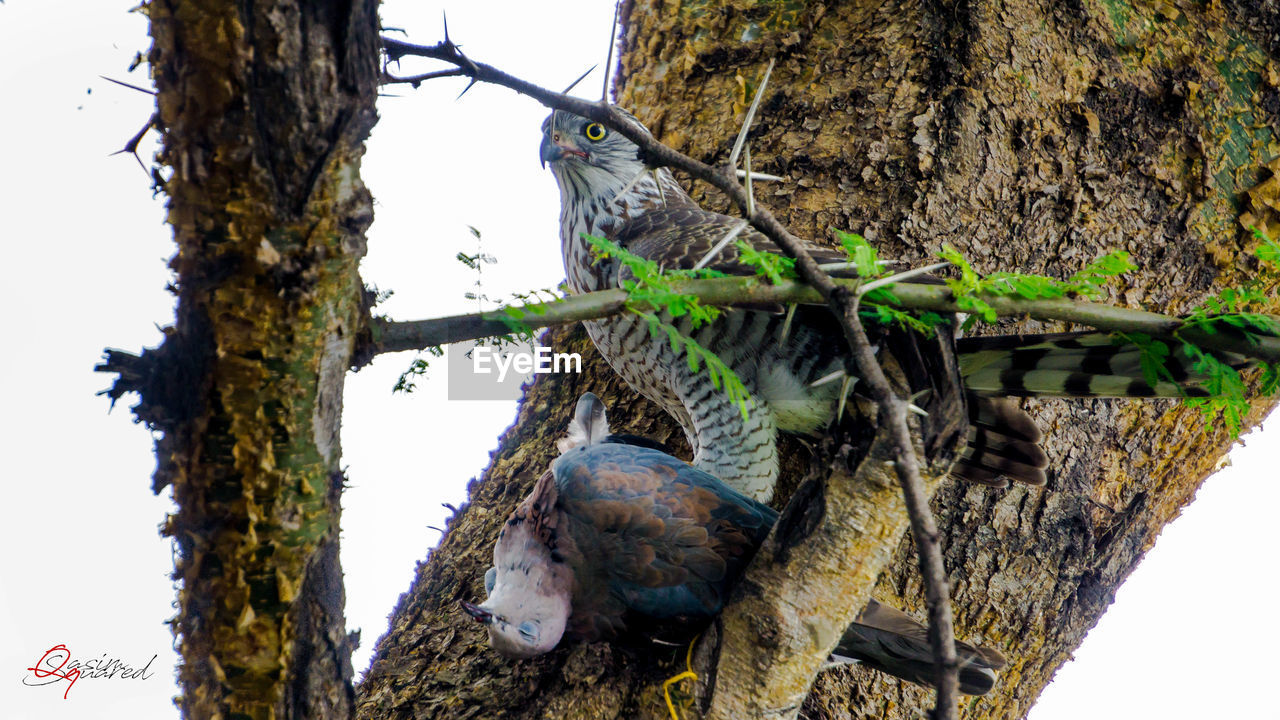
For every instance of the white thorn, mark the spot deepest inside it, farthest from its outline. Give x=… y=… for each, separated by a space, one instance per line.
x=838 y=266
x=751 y=114
x=711 y=254
x=786 y=325
x=899 y=277
x=630 y=184
x=668 y=643
x=845 y=387
x=827 y=378
x=613 y=39
x=746 y=161
x=758 y=176
x=917 y=410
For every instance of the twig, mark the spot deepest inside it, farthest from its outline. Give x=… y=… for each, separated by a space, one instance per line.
x=416 y=80
x=924 y=530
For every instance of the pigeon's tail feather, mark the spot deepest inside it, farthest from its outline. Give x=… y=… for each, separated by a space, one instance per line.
x=588 y=426
x=890 y=641
x=1088 y=364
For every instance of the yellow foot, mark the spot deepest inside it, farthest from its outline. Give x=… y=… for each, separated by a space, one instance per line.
x=686 y=675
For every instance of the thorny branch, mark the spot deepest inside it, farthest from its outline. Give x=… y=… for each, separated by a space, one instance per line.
x=843 y=303
x=924 y=529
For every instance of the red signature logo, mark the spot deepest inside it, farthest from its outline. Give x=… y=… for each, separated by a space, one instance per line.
x=42 y=672
x=56 y=666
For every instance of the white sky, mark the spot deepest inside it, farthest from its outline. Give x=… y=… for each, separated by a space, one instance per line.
x=81 y=562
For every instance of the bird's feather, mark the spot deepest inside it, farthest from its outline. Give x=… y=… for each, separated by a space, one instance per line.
x=891 y=641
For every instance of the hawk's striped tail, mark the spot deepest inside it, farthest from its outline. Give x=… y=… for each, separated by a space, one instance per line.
x=1088 y=364
x=1003 y=442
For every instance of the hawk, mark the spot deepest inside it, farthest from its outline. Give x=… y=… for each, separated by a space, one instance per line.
x=619 y=535
x=607 y=190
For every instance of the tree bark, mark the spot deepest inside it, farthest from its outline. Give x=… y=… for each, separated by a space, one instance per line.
x=264 y=108
x=1032 y=136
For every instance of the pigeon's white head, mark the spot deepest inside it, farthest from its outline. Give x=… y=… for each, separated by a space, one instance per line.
x=530 y=585
x=525 y=614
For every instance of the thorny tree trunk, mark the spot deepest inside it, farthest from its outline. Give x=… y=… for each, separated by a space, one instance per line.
x=1033 y=137
x=265 y=107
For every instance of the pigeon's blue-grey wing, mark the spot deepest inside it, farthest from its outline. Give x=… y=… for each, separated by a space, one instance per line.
x=646 y=533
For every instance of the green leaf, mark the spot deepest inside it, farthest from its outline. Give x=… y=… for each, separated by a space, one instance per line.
x=1269 y=250
x=861 y=253
x=769 y=265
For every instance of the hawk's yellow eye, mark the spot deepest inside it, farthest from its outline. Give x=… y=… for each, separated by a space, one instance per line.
x=595 y=132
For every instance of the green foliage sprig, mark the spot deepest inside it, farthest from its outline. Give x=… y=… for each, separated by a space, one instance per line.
x=407 y=382
x=1234 y=310
x=880 y=305
x=970 y=286
x=769 y=265
x=697 y=356
x=651 y=286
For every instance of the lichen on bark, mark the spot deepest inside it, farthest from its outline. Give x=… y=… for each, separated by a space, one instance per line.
x=264 y=108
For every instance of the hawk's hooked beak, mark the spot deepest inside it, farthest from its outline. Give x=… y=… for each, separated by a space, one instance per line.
x=553 y=151
x=480 y=614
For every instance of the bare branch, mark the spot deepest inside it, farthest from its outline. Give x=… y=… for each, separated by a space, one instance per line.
x=416 y=80
x=924 y=529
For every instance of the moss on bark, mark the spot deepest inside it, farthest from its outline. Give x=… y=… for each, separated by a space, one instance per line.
x=264 y=108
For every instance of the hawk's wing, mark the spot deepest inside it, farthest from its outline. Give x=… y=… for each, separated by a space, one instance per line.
x=680 y=236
